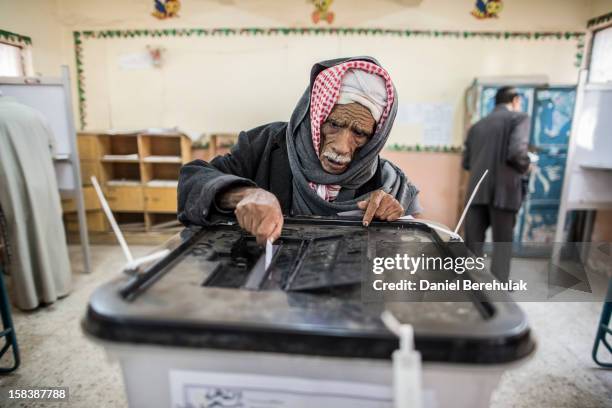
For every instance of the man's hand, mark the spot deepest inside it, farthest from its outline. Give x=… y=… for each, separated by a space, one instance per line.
x=259 y=213
x=382 y=206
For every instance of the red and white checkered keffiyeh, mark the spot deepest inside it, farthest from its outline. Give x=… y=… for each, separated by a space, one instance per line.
x=325 y=94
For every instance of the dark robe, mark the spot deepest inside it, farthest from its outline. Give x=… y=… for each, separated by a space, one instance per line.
x=258 y=159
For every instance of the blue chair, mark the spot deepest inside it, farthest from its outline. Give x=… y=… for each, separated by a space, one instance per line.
x=8 y=330
x=603 y=329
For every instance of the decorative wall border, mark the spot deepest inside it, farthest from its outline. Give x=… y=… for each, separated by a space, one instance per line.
x=424 y=148
x=395 y=147
x=79 y=36
x=80 y=77
x=17 y=39
x=600 y=20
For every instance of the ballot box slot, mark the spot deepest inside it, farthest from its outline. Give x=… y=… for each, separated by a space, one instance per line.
x=328 y=262
x=314 y=249
x=234 y=267
x=260 y=271
x=297 y=264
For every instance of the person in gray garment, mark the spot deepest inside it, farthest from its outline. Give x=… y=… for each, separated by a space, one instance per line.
x=38 y=261
x=499 y=143
x=324 y=161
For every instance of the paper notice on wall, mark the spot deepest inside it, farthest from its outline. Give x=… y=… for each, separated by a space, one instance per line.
x=435 y=120
x=208 y=389
x=135 y=60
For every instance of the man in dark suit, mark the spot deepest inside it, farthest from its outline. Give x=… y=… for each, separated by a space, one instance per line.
x=499 y=143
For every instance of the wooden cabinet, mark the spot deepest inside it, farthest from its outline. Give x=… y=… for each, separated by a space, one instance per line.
x=138 y=173
x=89 y=147
x=96 y=221
x=160 y=199
x=91 y=168
x=89 y=197
x=125 y=198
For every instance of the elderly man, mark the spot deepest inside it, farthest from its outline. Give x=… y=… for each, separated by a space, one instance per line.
x=324 y=161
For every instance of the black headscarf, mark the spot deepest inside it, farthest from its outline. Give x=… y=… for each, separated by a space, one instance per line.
x=306 y=166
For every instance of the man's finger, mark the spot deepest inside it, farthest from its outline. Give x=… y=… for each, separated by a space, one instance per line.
x=399 y=212
x=393 y=212
x=373 y=204
x=271 y=227
x=396 y=214
x=274 y=219
x=274 y=233
x=385 y=207
x=386 y=212
x=240 y=218
x=278 y=229
x=362 y=205
x=388 y=206
x=262 y=237
x=264 y=230
x=249 y=222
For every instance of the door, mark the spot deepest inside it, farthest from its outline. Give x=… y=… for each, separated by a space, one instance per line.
x=550 y=132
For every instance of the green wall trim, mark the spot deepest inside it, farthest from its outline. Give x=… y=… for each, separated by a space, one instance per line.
x=424 y=148
x=203 y=32
x=599 y=20
x=15 y=38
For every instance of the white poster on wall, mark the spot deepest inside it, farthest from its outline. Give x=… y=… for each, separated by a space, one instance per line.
x=135 y=60
x=208 y=389
x=435 y=119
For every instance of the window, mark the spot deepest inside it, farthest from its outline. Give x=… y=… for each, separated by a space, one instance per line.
x=601 y=56
x=11 y=62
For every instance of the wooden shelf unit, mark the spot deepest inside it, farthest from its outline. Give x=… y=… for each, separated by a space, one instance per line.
x=138 y=173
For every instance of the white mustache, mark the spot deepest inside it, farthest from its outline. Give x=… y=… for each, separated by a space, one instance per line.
x=338 y=158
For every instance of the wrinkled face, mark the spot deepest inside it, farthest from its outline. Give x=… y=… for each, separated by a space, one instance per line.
x=347 y=129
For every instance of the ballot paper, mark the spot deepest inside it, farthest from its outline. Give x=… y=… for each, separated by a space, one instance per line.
x=217 y=389
x=269 y=254
x=360 y=213
x=260 y=268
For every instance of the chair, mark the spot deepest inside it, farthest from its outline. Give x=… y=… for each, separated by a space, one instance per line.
x=604 y=329
x=8 y=330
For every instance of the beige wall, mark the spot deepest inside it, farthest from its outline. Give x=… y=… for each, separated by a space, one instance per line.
x=437 y=177
x=423 y=72
x=599 y=8
x=39 y=20
x=442 y=14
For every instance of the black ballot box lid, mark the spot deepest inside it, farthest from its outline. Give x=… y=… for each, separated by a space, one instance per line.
x=212 y=291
